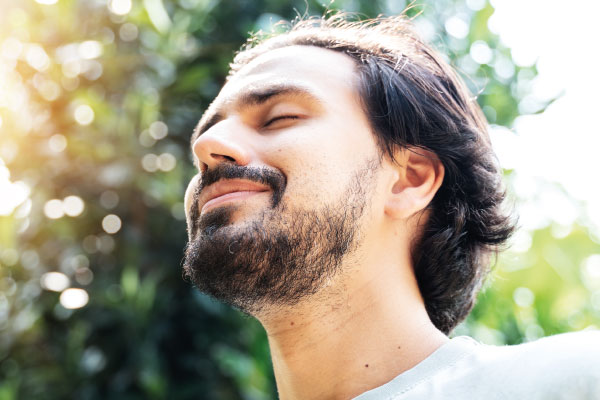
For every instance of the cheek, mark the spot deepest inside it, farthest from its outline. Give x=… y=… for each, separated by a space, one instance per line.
x=319 y=160
x=315 y=177
x=189 y=194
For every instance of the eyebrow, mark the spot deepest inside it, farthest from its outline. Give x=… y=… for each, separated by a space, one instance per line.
x=255 y=97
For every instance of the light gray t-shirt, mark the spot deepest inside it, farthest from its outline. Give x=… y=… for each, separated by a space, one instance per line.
x=565 y=366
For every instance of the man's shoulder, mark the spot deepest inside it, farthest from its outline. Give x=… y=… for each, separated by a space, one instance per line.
x=564 y=366
x=576 y=349
x=571 y=340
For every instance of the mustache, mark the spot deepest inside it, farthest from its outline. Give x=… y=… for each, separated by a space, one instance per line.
x=274 y=179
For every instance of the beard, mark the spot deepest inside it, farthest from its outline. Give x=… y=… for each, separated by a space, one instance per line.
x=281 y=256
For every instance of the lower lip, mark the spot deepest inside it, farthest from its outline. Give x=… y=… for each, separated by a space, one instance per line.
x=233 y=196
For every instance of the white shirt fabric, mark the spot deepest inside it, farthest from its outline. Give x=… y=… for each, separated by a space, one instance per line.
x=565 y=366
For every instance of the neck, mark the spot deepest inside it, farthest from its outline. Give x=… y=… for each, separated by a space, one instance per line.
x=352 y=337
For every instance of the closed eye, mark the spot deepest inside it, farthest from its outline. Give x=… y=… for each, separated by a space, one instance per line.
x=280 y=118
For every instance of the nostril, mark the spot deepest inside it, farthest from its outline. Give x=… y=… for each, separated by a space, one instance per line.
x=222 y=157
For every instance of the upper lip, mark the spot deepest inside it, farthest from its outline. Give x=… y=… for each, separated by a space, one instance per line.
x=223 y=187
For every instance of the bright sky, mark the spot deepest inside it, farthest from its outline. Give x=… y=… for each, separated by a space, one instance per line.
x=561 y=144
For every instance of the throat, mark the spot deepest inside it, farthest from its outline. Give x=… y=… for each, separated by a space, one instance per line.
x=324 y=351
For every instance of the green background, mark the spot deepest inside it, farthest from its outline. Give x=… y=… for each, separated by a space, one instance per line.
x=145 y=333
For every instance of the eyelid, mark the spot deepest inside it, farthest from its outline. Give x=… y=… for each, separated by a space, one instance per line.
x=280 y=117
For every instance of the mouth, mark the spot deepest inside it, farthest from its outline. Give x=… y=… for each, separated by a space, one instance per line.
x=229 y=191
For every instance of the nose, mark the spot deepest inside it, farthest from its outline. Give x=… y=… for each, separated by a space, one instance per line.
x=224 y=142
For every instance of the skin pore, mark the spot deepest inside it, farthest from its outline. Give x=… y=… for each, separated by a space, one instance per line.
x=295 y=110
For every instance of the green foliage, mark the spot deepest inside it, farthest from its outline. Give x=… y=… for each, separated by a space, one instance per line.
x=145 y=333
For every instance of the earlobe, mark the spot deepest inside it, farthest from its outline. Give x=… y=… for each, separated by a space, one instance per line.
x=419 y=175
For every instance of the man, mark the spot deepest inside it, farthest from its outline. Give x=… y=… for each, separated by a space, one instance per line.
x=349 y=199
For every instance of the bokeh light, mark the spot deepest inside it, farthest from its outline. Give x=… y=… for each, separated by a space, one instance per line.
x=150 y=162
x=37 y=57
x=73 y=206
x=90 y=49
x=128 y=32
x=119 y=7
x=74 y=298
x=9 y=257
x=109 y=199
x=84 y=114
x=590 y=271
x=91 y=244
x=457 y=27
x=53 y=209
x=158 y=130
x=145 y=139
x=111 y=224
x=49 y=90
x=523 y=297
x=166 y=162
x=481 y=53
x=55 y=281
x=84 y=276
x=57 y=143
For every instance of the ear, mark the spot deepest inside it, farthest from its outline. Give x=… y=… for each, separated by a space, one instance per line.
x=418 y=176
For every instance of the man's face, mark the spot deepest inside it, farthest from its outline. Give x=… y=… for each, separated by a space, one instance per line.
x=288 y=167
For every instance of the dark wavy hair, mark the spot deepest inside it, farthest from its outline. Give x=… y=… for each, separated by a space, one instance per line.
x=414 y=99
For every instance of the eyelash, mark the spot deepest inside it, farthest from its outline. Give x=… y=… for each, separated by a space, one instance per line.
x=269 y=122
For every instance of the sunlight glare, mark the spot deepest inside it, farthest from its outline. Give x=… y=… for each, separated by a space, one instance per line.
x=559 y=144
x=11 y=48
x=13 y=194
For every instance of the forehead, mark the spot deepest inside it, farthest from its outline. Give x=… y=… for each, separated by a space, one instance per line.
x=309 y=66
x=325 y=76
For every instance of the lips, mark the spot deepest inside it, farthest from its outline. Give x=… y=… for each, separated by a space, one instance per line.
x=228 y=190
